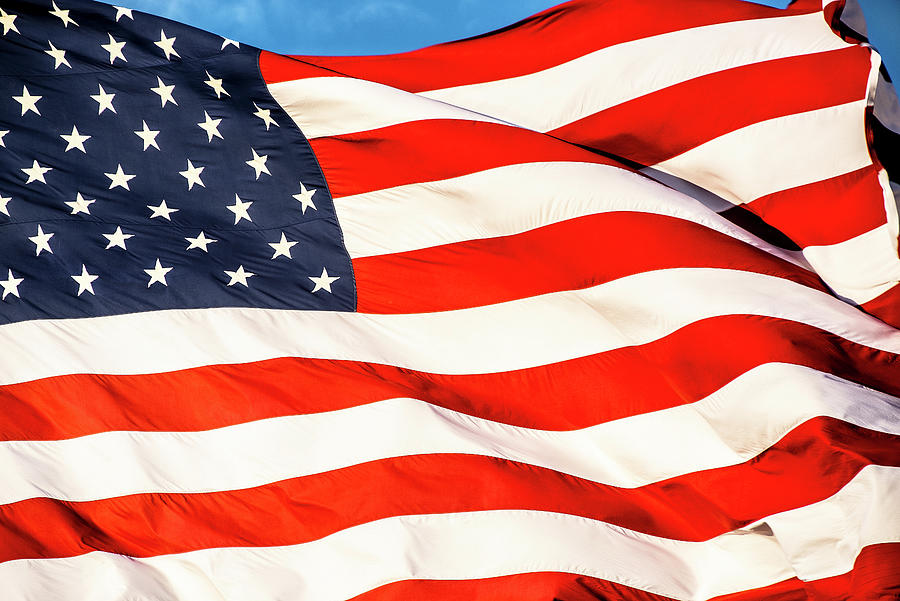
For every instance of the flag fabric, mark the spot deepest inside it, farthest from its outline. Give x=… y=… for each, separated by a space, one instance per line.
x=602 y=305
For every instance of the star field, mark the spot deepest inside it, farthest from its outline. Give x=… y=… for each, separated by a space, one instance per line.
x=143 y=165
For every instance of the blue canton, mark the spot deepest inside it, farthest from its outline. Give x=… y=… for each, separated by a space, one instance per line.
x=144 y=165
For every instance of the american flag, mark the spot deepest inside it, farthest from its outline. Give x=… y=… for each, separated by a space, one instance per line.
x=602 y=305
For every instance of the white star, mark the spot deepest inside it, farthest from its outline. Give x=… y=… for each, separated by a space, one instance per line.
x=122 y=11
x=201 y=241
x=36 y=173
x=265 y=115
x=210 y=126
x=62 y=14
x=59 y=56
x=117 y=238
x=75 y=140
x=7 y=20
x=165 y=92
x=115 y=49
x=228 y=42
x=28 y=102
x=3 y=132
x=192 y=175
x=282 y=247
x=304 y=197
x=11 y=285
x=119 y=178
x=4 y=200
x=104 y=100
x=161 y=210
x=85 y=281
x=148 y=136
x=80 y=204
x=259 y=163
x=167 y=45
x=239 y=276
x=239 y=209
x=157 y=274
x=41 y=241
x=324 y=281
x=216 y=85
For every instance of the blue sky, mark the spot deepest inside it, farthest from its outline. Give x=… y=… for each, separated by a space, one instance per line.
x=385 y=26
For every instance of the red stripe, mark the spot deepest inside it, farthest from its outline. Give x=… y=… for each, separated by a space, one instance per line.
x=663 y=124
x=560 y=256
x=886 y=306
x=826 y=212
x=421 y=151
x=811 y=463
x=873 y=578
x=683 y=367
x=547 y=39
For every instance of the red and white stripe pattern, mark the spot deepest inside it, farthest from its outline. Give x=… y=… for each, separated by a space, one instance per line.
x=564 y=380
x=765 y=109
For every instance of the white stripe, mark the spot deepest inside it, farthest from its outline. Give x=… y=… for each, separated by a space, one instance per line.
x=777 y=154
x=823 y=539
x=729 y=427
x=514 y=335
x=486 y=544
x=554 y=97
x=511 y=200
x=330 y=106
x=892 y=209
x=701 y=195
x=860 y=268
x=545 y=100
x=852 y=16
x=886 y=106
